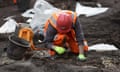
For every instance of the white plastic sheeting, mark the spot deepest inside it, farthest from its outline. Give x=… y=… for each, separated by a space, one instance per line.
x=42 y=11
x=102 y=47
x=29 y=13
x=89 y=11
x=8 y=27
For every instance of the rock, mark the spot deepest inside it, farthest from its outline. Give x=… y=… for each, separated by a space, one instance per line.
x=4 y=60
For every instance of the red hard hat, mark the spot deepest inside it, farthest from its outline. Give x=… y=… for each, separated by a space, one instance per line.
x=64 y=23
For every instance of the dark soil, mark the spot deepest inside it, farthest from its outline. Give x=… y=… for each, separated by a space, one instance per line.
x=103 y=28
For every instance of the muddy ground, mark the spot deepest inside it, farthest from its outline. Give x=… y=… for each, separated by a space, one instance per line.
x=103 y=28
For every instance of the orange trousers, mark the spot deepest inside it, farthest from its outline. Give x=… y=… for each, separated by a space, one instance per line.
x=67 y=39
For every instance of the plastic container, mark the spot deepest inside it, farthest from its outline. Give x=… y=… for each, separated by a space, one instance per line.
x=17 y=47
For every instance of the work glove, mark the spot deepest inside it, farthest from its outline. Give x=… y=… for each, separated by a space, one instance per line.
x=81 y=57
x=59 y=50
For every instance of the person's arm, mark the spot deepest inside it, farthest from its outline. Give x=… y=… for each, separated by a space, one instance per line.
x=79 y=33
x=50 y=33
x=80 y=39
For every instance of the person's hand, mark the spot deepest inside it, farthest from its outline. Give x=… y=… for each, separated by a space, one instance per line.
x=58 y=49
x=81 y=57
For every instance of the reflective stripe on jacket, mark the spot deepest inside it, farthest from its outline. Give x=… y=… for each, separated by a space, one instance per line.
x=54 y=17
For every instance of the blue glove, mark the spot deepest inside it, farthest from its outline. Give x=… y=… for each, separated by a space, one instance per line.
x=59 y=50
x=81 y=57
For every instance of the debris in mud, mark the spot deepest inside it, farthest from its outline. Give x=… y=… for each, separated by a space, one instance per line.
x=96 y=62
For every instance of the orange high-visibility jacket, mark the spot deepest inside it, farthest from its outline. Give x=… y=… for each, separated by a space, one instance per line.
x=54 y=17
x=50 y=27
